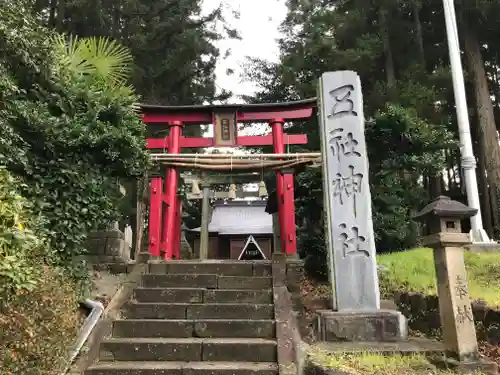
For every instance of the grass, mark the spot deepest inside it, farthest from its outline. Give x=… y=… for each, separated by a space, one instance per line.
x=413 y=271
x=375 y=364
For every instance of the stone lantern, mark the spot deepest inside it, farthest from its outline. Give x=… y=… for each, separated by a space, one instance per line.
x=443 y=233
x=444 y=215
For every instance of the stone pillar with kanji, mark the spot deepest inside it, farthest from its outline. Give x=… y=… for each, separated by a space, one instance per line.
x=356 y=314
x=443 y=233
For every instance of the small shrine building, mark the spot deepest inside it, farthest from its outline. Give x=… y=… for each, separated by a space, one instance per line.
x=238 y=229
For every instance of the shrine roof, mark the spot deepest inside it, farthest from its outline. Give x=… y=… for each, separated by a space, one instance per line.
x=155 y=108
x=240 y=217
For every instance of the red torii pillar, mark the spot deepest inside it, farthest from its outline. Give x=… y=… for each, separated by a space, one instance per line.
x=284 y=194
x=171 y=184
x=156 y=199
x=165 y=209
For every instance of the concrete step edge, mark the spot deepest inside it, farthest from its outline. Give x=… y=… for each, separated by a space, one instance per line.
x=125 y=365
x=206 y=274
x=156 y=288
x=209 y=304
x=197 y=310
x=210 y=261
x=202 y=320
x=188 y=340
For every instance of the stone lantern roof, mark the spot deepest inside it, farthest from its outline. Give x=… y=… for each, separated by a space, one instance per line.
x=444 y=206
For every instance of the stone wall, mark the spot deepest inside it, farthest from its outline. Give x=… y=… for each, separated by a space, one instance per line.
x=107 y=246
x=423 y=315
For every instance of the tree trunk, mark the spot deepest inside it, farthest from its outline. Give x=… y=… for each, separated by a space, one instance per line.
x=418 y=30
x=390 y=71
x=451 y=171
x=487 y=127
x=117 y=20
x=485 y=195
x=60 y=15
x=494 y=211
x=435 y=182
x=435 y=186
x=482 y=181
x=52 y=13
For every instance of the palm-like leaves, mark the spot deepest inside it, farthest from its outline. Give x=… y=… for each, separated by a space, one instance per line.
x=102 y=58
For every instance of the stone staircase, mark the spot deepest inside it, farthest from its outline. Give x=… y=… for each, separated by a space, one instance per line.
x=192 y=318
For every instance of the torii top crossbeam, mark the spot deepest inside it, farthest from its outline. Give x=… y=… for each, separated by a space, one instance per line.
x=225 y=119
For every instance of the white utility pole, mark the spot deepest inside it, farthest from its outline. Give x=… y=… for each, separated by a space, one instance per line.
x=478 y=234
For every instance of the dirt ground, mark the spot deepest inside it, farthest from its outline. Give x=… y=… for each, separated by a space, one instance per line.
x=105 y=285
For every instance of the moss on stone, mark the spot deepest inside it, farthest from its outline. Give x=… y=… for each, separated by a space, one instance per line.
x=367 y=363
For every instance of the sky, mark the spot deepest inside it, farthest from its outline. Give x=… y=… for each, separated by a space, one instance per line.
x=258 y=27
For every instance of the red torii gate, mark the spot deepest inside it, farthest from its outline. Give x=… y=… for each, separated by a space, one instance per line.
x=165 y=207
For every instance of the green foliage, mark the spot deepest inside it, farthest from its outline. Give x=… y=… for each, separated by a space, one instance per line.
x=19 y=246
x=102 y=58
x=407 y=133
x=370 y=363
x=413 y=271
x=312 y=249
x=38 y=326
x=172 y=42
x=401 y=148
x=70 y=131
x=38 y=303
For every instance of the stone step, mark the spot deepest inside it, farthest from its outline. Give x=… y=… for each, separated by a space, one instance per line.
x=188 y=349
x=238 y=296
x=200 y=295
x=180 y=281
x=208 y=281
x=244 y=282
x=183 y=368
x=198 y=311
x=194 y=328
x=215 y=267
x=170 y=295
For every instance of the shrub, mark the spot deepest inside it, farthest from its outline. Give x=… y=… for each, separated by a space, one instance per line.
x=19 y=246
x=37 y=327
x=38 y=303
x=66 y=131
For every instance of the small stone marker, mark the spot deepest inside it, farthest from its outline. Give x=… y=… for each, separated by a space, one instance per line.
x=347 y=198
x=443 y=233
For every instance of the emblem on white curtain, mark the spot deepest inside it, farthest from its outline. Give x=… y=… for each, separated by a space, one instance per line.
x=251 y=250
